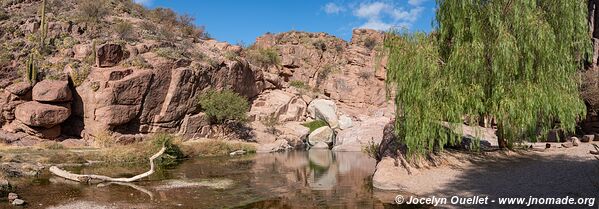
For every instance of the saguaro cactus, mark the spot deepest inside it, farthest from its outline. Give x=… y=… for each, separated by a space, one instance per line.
x=43 y=27
x=31 y=71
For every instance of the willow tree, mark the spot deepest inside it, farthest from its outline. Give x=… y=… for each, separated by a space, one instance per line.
x=512 y=60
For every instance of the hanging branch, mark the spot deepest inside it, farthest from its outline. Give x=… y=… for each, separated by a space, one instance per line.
x=87 y=178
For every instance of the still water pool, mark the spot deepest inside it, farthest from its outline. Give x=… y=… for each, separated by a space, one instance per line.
x=299 y=179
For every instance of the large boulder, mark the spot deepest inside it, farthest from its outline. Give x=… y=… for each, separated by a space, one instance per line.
x=323 y=134
x=52 y=91
x=369 y=130
x=41 y=115
x=109 y=55
x=324 y=110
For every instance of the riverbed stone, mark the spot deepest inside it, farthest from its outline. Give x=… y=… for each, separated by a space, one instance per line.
x=12 y=196
x=323 y=134
x=18 y=202
x=575 y=141
x=588 y=138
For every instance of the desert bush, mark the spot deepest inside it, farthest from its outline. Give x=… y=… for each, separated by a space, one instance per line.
x=371 y=149
x=339 y=48
x=365 y=74
x=124 y=30
x=164 y=16
x=3 y=15
x=320 y=44
x=170 y=52
x=137 y=61
x=370 y=43
x=313 y=125
x=91 y=11
x=135 y=9
x=79 y=73
x=264 y=57
x=298 y=84
x=229 y=55
x=223 y=106
x=271 y=122
x=324 y=73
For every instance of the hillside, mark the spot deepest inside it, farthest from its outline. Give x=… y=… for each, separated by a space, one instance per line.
x=116 y=69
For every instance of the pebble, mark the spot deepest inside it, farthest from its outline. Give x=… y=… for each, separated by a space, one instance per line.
x=18 y=202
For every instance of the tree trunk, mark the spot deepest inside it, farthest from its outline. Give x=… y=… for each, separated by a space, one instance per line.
x=501 y=137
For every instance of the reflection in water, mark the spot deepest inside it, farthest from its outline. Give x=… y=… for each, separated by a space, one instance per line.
x=302 y=179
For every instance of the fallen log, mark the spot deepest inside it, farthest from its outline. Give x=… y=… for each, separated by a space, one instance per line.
x=88 y=178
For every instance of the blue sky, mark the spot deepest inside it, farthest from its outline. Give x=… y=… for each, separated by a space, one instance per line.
x=244 y=20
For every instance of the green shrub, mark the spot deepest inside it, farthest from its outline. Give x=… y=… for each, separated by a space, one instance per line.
x=264 y=57
x=298 y=84
x=313 y=125
x=223 y=106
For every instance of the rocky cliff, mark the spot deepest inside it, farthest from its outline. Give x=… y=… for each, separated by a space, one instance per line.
x=97 y=79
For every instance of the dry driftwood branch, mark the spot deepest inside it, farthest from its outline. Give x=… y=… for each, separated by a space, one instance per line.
x=87 y=178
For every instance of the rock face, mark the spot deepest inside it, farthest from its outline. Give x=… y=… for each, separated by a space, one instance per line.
x=344 y=72
x=149 y=86
x=41 y=115
x=52 y=91
x=109 y=55
x=282 y=105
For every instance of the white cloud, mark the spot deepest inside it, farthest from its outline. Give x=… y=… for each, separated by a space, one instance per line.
x=372 y=10
x=407 y=15
x=376 y=25
x=332 y=8
x=144 y=2
x=384 y=16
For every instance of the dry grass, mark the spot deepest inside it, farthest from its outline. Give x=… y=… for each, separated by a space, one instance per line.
x=112 y=154
x=215 y=147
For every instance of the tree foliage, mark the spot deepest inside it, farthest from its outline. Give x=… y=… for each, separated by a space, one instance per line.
x=515 y=61
x=223 y=106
